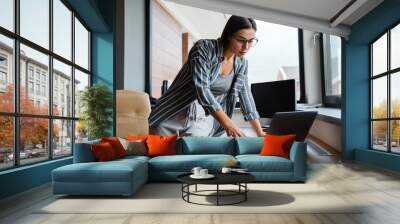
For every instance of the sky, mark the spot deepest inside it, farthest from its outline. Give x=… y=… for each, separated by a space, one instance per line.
x=277 y=46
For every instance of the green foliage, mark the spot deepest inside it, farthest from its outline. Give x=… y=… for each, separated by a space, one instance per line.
x=380 y=127
x=96 y=102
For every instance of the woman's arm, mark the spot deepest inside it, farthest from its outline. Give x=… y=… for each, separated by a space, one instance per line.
x=257 y=127
x=247 y=104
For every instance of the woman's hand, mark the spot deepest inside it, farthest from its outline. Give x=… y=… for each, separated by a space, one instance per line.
x=231 y=129
x=257 y=127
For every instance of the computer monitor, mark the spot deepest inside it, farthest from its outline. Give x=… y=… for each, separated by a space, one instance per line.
x=272 y=97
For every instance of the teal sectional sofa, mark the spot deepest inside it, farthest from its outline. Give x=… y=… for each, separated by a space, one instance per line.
x=125 y=176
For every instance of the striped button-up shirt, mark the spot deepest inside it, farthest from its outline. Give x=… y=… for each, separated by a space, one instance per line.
x=194 y=80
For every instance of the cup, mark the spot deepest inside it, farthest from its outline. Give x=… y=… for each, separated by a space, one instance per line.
x=196 y=170
x=226 y=170
x=203 y=172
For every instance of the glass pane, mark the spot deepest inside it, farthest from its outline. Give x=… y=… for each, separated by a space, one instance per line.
x=333 y=64
x=34 y=81
x=81 y=131
x=379 y=98
x=6 y=142
x=379 y=55
x=81 y=81
x=33 y=139
x=395 y=136
x=62 y=29
x=7 y=14
x=395 y=47
x=395 y=95
x=81 y=45
x=62 y=138
x=379 y=135
x=62 y=89
x=35 y=21
x=280 y=44
x=6 y=74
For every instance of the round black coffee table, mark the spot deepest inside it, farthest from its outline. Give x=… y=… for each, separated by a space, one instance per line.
x=238 y=179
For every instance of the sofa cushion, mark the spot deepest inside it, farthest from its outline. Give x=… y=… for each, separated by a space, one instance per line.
x=184 y=163
x=207 y=145
x=83 y=152
x=103 y=152
x=134 y=147
x=111 y=171
x=249 y=145
x=277 y=145
x=116 y=145
x=257 y=163
x=158 y=145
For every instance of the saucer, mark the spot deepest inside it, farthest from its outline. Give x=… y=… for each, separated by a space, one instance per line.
x=208 y=176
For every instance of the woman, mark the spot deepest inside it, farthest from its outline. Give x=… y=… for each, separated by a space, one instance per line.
x=210 y=82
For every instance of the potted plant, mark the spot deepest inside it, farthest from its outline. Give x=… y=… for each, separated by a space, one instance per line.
x=96 y=102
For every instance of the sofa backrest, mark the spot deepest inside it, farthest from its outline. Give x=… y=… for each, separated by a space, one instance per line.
x=206 y=145
x=83 y=152
x=249 y=145
x=132 y=112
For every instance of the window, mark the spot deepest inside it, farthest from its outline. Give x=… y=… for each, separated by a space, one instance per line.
x=62 y=32
x=81 y=81
x=43 y=90
x=7 y=14
x=35 y=21
x=385 y=97
x=3 y=61
x=37 y=89
x=3 y=78
x=62 y=74
x=30 y=72
x=37 y=75
x=30 y=87
x=276 y=56
x=81 y=45
x=45 y=131
x=331 y=62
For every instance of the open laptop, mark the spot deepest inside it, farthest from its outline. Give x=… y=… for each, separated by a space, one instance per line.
x=296 y=122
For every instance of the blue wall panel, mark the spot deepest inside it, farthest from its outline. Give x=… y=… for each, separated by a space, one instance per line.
x=356 y=84
x=24 y=178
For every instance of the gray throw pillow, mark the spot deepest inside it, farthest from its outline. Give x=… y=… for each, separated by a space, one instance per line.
x=134 y=147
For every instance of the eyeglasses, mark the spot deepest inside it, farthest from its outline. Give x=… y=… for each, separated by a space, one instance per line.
x=252 y=42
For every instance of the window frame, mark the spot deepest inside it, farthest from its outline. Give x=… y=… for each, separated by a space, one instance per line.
x=332 y=101
x=16 y=114
x=388 y=74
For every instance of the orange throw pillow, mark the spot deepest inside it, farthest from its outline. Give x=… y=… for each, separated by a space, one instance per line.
x=116 y=145
x=103 y=151
x=136 y=137
x=161 y=145
x=277 y=145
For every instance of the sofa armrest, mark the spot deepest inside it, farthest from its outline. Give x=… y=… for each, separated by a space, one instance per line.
x=298 y=155
x=83 y=152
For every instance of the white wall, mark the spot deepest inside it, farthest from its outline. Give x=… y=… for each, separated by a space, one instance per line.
x=134 y=52
x=312 y=70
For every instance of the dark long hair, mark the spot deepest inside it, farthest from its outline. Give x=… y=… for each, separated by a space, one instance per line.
x=234 y=24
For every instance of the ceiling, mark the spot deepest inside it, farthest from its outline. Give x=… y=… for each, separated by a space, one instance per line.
x=319 y=9
x=314 y=15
